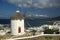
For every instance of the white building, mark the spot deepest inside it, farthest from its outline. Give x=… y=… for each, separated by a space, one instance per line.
x=2 y=32
x=17 y=24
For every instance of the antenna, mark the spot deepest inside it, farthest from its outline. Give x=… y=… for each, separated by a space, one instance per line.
x=17 y=5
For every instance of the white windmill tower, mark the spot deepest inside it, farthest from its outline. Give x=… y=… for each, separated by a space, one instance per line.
x=17 y=24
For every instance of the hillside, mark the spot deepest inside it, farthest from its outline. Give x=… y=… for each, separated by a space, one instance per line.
x=55 y=18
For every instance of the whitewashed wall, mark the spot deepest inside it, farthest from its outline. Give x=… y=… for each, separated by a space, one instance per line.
x=15 y=24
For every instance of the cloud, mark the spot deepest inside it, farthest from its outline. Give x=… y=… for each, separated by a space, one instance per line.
x=35 y=3
x=36 y=15
x=40 y=15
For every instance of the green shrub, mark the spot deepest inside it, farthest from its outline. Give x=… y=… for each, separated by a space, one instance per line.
x=48 y=31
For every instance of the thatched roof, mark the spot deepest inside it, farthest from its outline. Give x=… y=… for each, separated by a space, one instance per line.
x=17 y=15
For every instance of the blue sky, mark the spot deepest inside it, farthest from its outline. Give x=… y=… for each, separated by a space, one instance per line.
x=41 y=8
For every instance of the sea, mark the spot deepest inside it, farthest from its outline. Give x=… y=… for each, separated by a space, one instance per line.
x=35 y=22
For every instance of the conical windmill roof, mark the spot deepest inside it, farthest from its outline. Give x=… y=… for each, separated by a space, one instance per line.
x=17 y=15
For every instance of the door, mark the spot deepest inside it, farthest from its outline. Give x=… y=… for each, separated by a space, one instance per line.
x=19 y=29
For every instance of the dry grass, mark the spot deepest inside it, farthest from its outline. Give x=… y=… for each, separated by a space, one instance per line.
x=36 y=38
x=5 y=36
x=44 y=38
